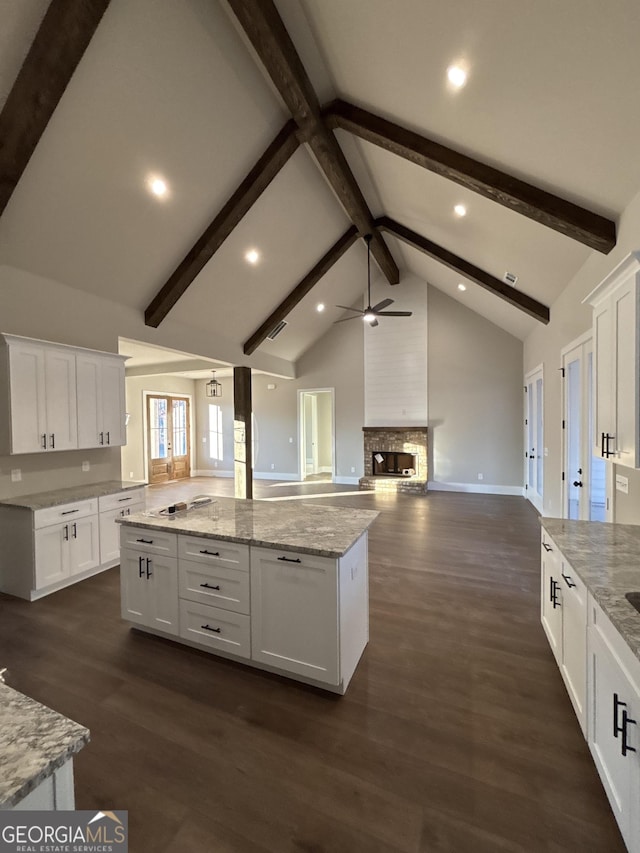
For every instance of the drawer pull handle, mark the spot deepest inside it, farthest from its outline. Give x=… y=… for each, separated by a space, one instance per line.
x=210 y=553
x=145 y=541
x=568 y=581
x=209 y=586
x=289 y=560
x=209 y=628
x=70 y=512
x=546 y=547
x=123 y=499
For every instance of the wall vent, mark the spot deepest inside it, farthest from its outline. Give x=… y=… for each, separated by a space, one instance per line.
x=511 y=278
x=273 y=334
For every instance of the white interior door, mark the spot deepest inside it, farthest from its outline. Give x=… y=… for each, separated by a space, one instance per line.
x=317 y=432
x=534 y=437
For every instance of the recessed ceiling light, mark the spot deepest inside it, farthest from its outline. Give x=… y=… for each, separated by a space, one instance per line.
x=320 y=306
x=158 y=186
x=457 y=76
x=462 y=286
x=252 y=256
x=460 y=210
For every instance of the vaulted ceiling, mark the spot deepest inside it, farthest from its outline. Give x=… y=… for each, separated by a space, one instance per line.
x=176 y=90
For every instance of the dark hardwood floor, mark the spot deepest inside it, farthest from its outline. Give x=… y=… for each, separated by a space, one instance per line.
x=456 y=733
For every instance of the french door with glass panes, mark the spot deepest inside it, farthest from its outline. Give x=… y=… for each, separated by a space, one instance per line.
x=534 y=436
x=584 y=485
x=168 y=446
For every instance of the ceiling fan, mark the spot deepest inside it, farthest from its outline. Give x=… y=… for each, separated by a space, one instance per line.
x=371 y=313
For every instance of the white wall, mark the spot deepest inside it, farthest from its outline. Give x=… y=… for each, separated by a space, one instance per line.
x=569 y=319
x=475 y=400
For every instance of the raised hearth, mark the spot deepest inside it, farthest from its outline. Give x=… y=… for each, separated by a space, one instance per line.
x=403 y=463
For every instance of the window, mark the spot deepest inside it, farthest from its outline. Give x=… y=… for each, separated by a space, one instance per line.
x=215 y=432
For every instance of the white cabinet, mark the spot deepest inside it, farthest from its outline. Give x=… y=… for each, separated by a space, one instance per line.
x=563 y=608
x=65 y=549
x=111 y=507
x=42 y=398
x=101 y=400
x=149 y=588
x=55 y=397
x=614 y=739
x=616 y=368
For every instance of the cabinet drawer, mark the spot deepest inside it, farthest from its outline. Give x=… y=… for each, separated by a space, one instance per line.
x=214 y=585
x=200 y=549
x=64 y=512
x=151 y=541
x=132 y=497
x=220 y=630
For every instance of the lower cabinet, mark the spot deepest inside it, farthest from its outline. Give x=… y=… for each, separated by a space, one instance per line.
x=111 y=507
x=614 y=738
x=301 y=615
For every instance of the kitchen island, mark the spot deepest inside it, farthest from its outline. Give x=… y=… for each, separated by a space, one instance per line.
x=281 y=586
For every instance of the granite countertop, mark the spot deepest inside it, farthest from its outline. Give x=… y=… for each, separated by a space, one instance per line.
x=34 y=742
x=288 y=525
x=607 y=559
x=56 y=497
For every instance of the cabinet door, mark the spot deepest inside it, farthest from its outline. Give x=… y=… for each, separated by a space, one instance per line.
x=52 y=554
x=574 y=641
x=28 y=399
x=625 y=335
x=84 y=544
x=162 y=576
x=602 y=375
x=294 y=613
x=113 y=402
x=551 y=596
x=60 y=392
x=134 y=587
x=608 y=733
x=89 y=400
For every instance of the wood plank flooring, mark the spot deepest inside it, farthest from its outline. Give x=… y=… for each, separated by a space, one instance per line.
x=456 y=733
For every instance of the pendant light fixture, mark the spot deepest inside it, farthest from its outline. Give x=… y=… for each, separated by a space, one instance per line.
x=213 y=387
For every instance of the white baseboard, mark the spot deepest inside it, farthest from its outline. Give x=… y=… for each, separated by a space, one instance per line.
x=325 y=469
x=477 y=488
x=211 y=472
x=346 y=481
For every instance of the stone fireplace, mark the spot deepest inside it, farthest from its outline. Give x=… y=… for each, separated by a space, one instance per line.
x=395 y=459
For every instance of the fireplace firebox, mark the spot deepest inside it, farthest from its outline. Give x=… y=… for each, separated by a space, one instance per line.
x=391 y=464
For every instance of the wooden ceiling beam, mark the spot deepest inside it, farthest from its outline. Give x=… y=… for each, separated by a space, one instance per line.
x=514 y=297
x=266 y=31
x=300 y=290
x=557 y=213
x=249 y=191
x=64 y=34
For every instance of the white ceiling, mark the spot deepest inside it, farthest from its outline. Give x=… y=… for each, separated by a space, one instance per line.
x=171 y=89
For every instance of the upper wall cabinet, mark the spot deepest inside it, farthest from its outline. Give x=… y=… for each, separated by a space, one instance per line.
x=616 y=366
x=55 y=397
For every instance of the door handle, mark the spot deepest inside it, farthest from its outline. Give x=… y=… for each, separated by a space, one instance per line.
x=149 y=563
x=44 y=441
x=66 y=533
x=53 y=441
x=140 y=567
x=75 y=530
x=577 y=483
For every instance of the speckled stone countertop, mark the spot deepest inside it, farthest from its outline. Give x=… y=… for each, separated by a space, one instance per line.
x=34 y=742
x=56 y=497
x=288 y=525
x=607 y=559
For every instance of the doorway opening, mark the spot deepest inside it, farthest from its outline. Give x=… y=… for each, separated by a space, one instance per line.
x=168 y=437
x=584 y=487
x=534 y=437
x=316 y=429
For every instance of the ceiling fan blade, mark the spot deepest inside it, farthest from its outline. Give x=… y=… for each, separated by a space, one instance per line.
x=384 y=304
x=346 y=308
x=344 y=319
x=394 y=313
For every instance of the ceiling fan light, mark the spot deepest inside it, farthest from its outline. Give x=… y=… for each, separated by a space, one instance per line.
x=368 y=317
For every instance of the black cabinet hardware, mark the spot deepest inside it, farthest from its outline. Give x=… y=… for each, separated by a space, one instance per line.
x=149 y=563
x=123 y=499
x=626 y=721
x=108 y=437
x=140 y=566
x=101 y=438
x=554 y=593
x=145 y=541
x=577 y=483
x=209 y=586
x=66 y=533
x=617 y=704
x=605 y=452
x=70 y=512
x=546 y=547
x=568 y=581
x=289 y=560
x=210 y=553
x=53 y=440
x=44 y=440
x=75 y=530
x=209 y=628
